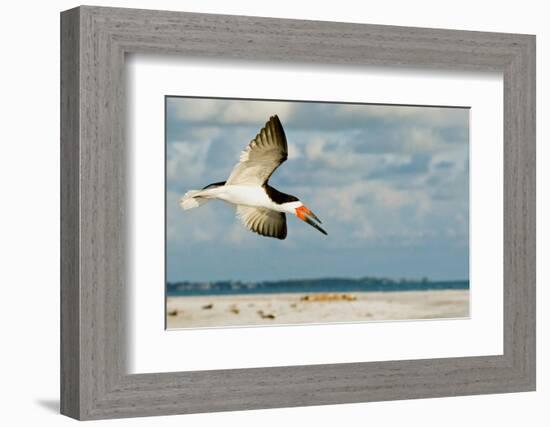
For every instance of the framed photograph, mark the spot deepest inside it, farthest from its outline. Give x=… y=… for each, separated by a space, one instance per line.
x=384 y=177
x=262 y=213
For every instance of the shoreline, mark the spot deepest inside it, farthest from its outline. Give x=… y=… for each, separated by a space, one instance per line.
x=313 y=307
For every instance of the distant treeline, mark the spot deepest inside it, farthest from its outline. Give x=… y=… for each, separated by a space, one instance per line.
x=365 y=284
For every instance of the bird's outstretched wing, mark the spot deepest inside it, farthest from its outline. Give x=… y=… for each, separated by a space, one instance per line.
x=262 y=156
x=263 y=221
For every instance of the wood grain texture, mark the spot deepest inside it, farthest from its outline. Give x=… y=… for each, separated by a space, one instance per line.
x=94 y=198
x=70 y=259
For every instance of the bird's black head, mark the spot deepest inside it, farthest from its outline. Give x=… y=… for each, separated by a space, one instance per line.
x=277 y=197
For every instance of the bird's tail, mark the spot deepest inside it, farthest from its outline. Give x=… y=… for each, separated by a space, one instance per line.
x=192 y=199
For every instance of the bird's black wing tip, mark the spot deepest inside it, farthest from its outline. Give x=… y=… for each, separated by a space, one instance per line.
x=214 y=185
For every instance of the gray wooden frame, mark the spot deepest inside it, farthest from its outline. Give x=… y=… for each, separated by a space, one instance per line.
x=94 y=41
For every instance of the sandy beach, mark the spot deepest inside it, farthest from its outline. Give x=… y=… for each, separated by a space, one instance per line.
x=298 y=308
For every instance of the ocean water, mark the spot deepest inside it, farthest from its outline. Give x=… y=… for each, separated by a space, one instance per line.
x=332 y=285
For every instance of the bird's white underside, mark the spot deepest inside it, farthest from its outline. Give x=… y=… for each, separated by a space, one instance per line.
x=242 y=195
x=252 y=206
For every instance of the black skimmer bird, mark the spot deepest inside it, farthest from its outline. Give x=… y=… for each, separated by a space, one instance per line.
x=261 y=207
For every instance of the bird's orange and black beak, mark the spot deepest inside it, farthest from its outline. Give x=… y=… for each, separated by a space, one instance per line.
x=307 y=216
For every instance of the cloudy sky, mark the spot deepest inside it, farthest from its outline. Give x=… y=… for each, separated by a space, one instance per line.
x=390 y=184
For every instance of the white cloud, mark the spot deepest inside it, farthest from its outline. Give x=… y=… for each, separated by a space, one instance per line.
x=427 y=116
x=456 y=156
x=337 y=161
x=372 y=211
x=423 y=140
x=228 y=111
x=253 y=113
x=195 y=109
x=294 y=152
x=315 y=148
